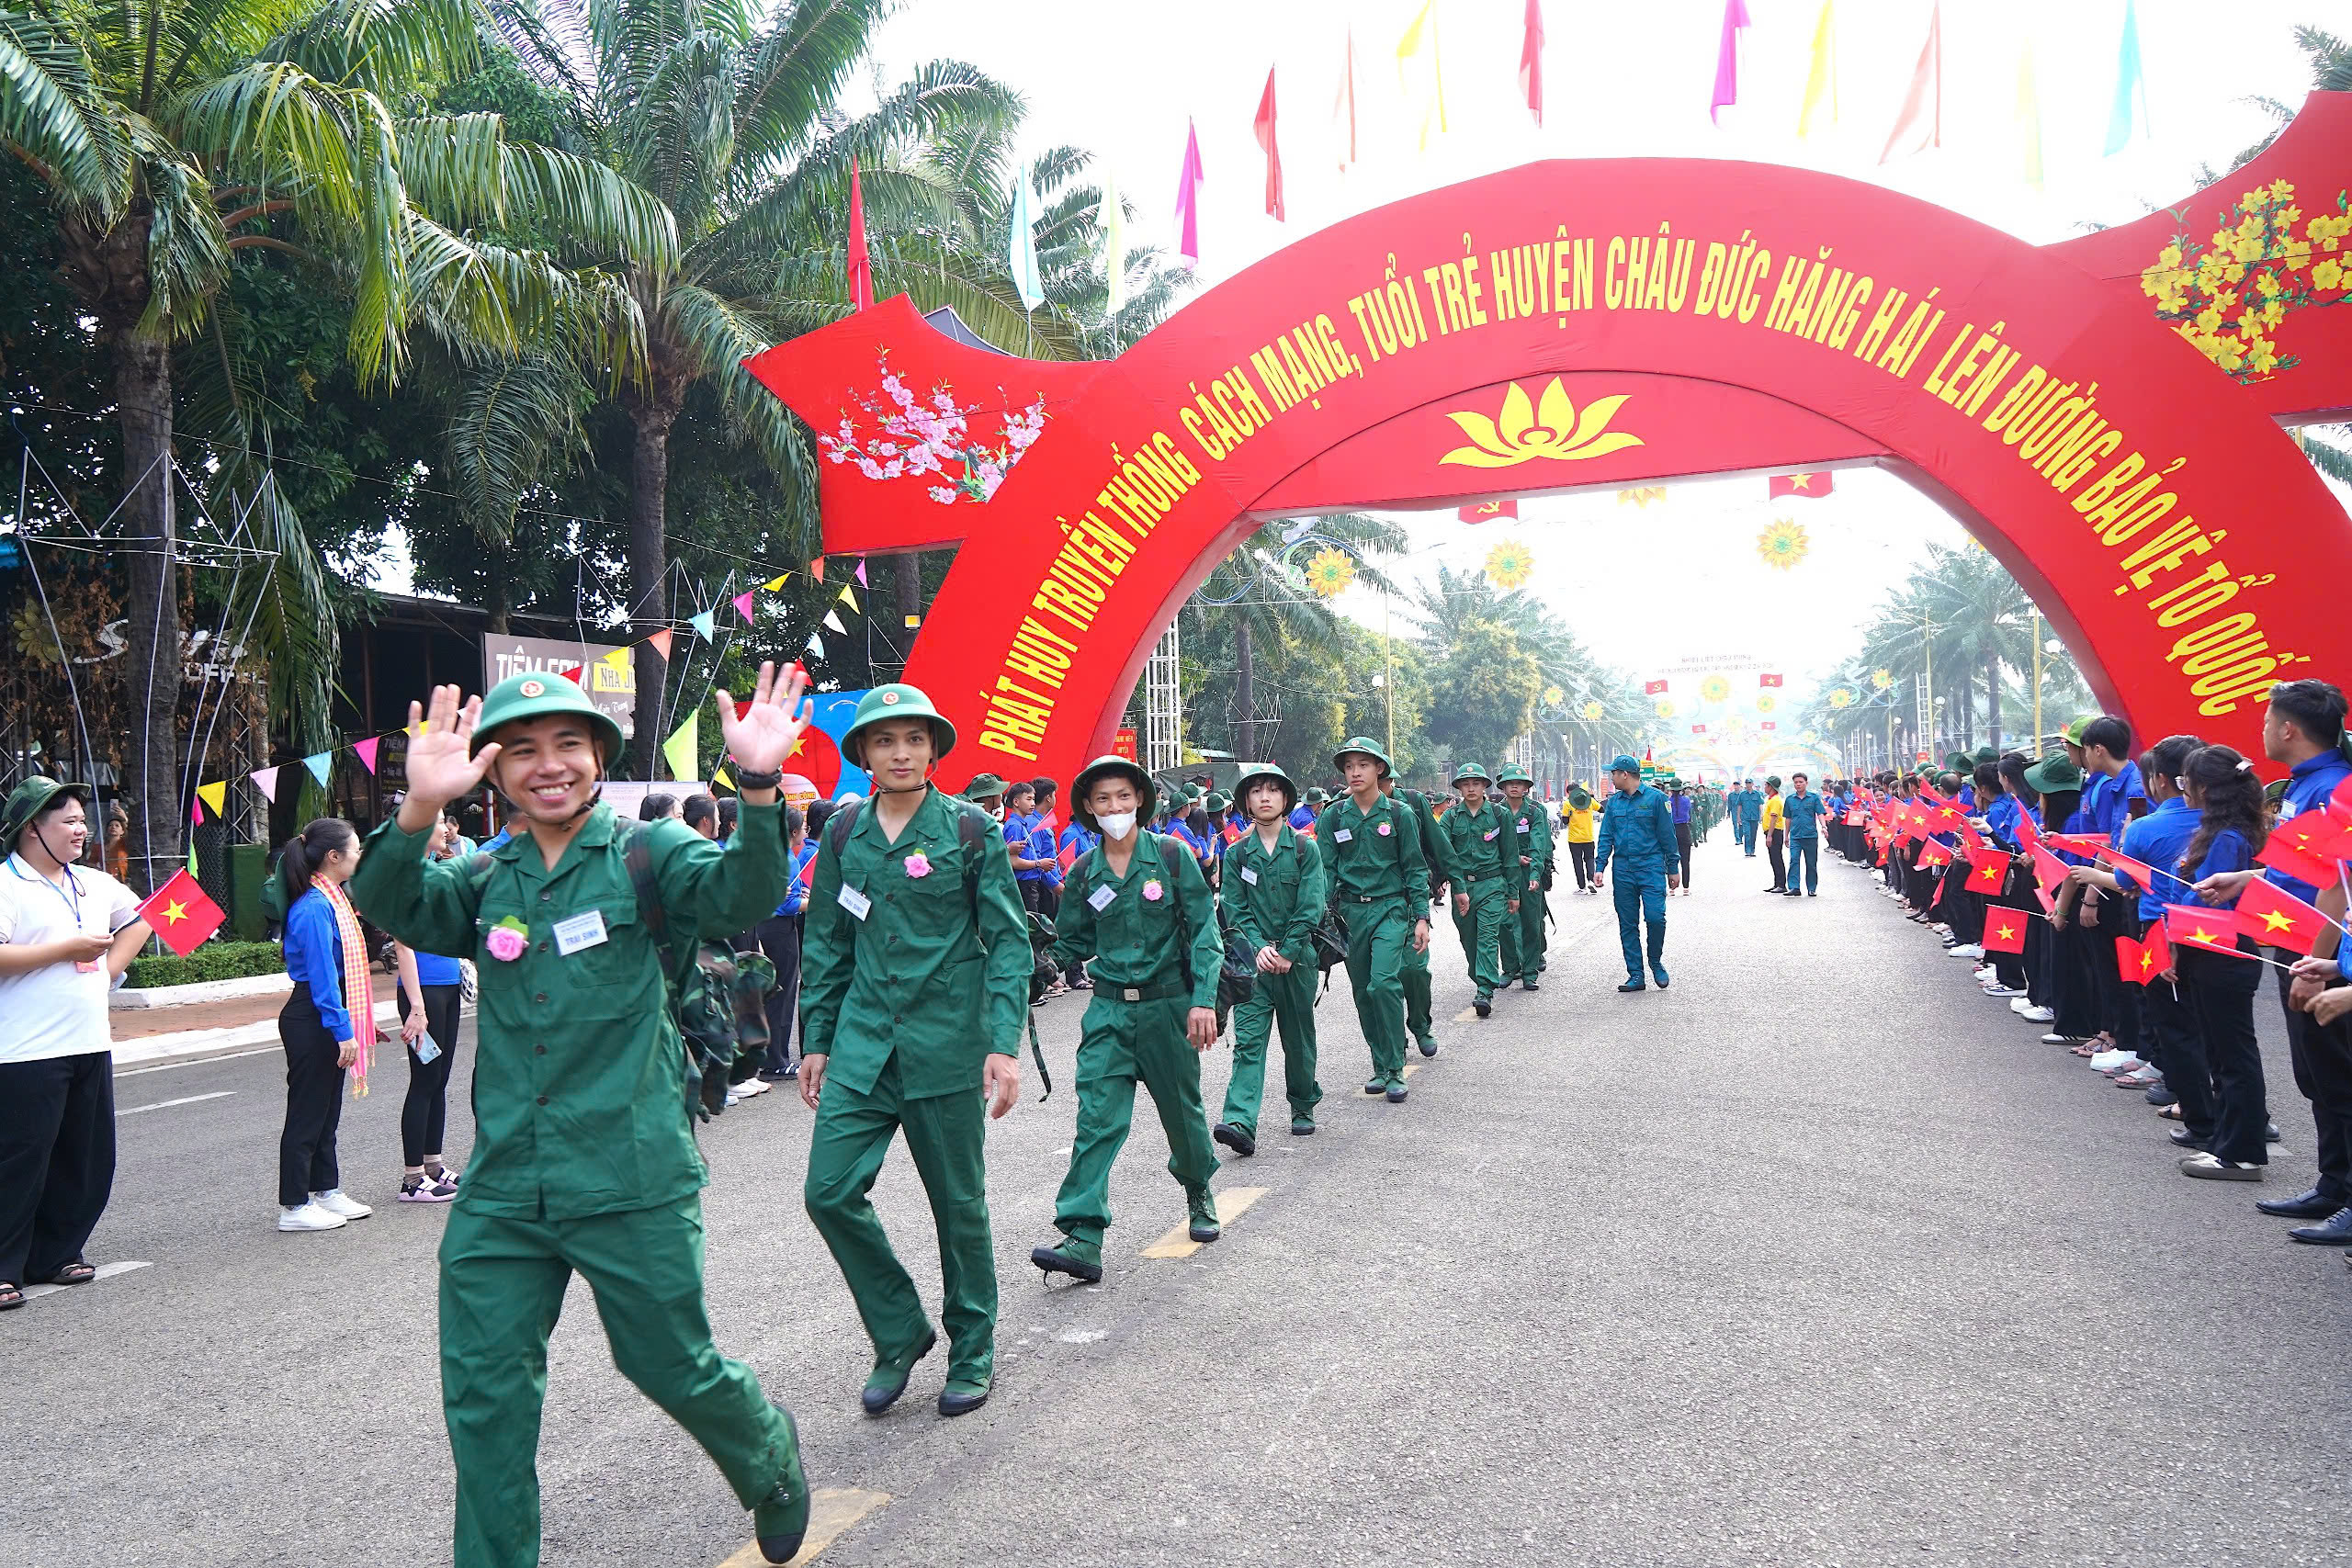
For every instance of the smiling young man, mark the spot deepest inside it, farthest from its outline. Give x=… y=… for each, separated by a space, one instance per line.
x=916 y=980
x=1139 y=907
x=584 y=1158
x=1273 y=892
x=1380 y=882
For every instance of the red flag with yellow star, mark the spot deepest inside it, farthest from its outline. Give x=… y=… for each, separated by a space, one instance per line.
x=1779 y=485
x=1987 y=870
x=2004 y=930
x=2156 y=955
x=2215 y=930
x=181 y=914
x=2276 y=918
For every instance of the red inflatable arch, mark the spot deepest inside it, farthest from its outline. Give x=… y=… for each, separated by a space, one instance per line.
x=2105 y=415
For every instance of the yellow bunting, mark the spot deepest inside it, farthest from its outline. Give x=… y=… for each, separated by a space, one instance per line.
x=776 y=584
x=683 y=747
x=215 y=795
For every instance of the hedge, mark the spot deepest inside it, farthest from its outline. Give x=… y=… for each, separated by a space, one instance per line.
x=213 y=961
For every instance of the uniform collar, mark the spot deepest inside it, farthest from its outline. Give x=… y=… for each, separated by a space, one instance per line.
x=930 y=817
x=596 y=833
x=1284 y=834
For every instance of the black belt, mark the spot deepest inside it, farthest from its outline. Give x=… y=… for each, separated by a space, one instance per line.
x=1491 y=877
x=1372 y=897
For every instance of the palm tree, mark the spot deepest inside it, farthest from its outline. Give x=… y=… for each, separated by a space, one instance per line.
x=728 y=116
x=173 y=136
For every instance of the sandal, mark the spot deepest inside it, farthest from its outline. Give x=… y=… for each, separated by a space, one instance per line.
x=2170 y=1112
x=78 y=1272
x=11 y=1298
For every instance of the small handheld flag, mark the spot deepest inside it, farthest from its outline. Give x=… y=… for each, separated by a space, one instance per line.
x=181 y=914
x=2215 y=930
x=2005 y=930
x=2276 y=918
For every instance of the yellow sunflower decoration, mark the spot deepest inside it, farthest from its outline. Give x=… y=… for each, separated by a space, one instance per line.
x=1666 y=708
x=1782 y=545
x=1714 y=688
x=1882 y=679
x=1764 y=703
x=1592 y=710
x=1329 y=571
x=1841 y=698
x=1554 y=696
x=1510 y=564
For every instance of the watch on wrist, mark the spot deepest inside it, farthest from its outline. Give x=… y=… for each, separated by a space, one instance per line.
x=772 y=780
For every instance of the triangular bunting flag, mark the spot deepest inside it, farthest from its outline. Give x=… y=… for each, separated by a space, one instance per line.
x=861 y=571
x=572 y=674
x=849 y=597
x=684 y=746
x=817 y=569
x=815 y=646
x=322 y=766
x=619 y=658
x=367 y=749
x=744 y=605
x=196 y=818
x=661 y=641
x=833 y=619
x=703 y=626
x=215 y=795
x=720 y=775
x=775 y=584
x=266 y=780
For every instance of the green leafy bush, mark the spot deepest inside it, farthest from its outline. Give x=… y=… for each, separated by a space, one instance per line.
x=213 y=961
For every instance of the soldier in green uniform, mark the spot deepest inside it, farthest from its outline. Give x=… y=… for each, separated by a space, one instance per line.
x=1273 y=893
x=1139 y=907
x=1418 y=1022
x=1531 y=831
x=1379 y=880
x=914 y=988
x=584 y=1158
x=1484 y=865
x=986 y=790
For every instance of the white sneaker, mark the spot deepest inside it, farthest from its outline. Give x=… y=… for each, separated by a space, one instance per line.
x=2055 y=1039
x=310 y=1217
x=750 y=1087
x=2032 y=1014
x=1968 y=949
x=344 y=1207
x=2004 y=991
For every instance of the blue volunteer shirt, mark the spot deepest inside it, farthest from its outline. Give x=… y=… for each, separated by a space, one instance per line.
x=313 y=949
x=796 y=896
x=2107 y=800
x=2309 y=784
x=1681 y=804
x=2159 y=839
x=1018 y=826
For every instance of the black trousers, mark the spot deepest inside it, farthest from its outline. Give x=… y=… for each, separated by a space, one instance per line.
x=2220 y=992
x=305 y=1154
x=2119 y=1006
x=2083 y=948
x=1682 y=846
x=56 y=1160
x=2169 y=1016
x=1773 y=843
x=779 y=938
x=1580 y=857
x=424 y=1114
x=2322 y=1055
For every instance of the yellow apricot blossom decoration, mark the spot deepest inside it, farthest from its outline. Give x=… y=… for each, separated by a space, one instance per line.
x=1524 y=431
x=1841 y=698
x=1510 y=564
x=1329 y=571
x=2228 y=294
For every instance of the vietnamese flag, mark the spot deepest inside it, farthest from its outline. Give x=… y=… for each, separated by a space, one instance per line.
x=1933 y=856
x=2276 y=918
x=2084 y=845
x=1987 y=869
x=2306 y=830
x=1068 y=857
x=2005 y=930
x=1769 y=680
x=1779 y=485
x=181 y=914
x=2215 y=930
x=2131 y=958
x=2155 y=952
x=2140 y=872
x=2280 y=856
x=2048 y=869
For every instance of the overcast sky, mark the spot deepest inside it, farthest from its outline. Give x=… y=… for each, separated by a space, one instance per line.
x=1619 y=80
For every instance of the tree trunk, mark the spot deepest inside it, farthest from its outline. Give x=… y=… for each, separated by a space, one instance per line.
x=1245 y=700
x=648 y=568
x=1993 y=700
x=152 y=681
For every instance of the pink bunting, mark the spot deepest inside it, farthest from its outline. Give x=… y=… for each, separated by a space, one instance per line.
x=1188 y=202
x=367 y=749
x=744 y=605
x=266 y=780
x=572 y=675
x=196 y=812
x=1728 y=60
x=861 y=571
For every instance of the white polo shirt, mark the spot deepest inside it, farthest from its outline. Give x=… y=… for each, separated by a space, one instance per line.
x=57 y=1009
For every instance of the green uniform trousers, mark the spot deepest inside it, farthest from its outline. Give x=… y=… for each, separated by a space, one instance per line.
x=1481 y=931
x=945 y=1135
x=1380 y=973
x=1525 y=943
x=1287 y=999
x=1121 y=1042
x=502 y=1287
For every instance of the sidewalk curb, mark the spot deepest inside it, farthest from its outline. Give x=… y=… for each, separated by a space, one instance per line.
x=206 y=1044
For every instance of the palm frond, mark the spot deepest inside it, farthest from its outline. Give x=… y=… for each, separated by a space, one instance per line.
x=53 y=113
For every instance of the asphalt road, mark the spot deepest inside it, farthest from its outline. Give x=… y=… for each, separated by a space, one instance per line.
x=1818 y=1257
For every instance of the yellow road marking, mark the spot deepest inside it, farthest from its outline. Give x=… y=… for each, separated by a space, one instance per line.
x=1465 y=1015
x=1230 y=1202
x=1412 y=1067
x=831 y=1514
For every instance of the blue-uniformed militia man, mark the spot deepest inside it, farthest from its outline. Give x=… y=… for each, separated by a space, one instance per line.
x=1637 y=831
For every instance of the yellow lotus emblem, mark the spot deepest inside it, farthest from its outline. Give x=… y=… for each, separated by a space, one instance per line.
x=1525 y=430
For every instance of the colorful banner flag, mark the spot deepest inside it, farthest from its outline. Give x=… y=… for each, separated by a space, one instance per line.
x=1343 y=106
x=2276 y=918
x=744 y=605
x=834 y=621
x=775 y=584
x=266 y=780
x=704 y=625
x=1819 y=482
x=849 y=597
x=1820 y=76
x=181 y=914
x=215 y=796
x=1486 y=510
x=1022 y=253
x=322 y=766
x=1409 y=46
x=1653 y=688
x=1769 y=679
x=683 y=748
x=2004 y=930
x=619 y=658
x=2129 y=79
x=1727 y=91
x=367 y=751
x=1921 y=124
x=1531 y=62
x=1263 y=127
x=1188 y=202
x=861 y=265
x=861 y=571
x=817 y=569
x=661 y=641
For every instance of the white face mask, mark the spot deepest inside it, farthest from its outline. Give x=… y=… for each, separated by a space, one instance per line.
x=1117 y=824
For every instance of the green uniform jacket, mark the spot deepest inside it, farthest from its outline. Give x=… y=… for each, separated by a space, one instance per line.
x=1375 y=855
x=937 y=973
x=1532 y=825
x=1155 y=928
x=1275 y=896
x=1474 y=843
x=579 y=1093
x=1433 y=844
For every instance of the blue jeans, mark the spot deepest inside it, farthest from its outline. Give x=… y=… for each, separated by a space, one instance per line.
x=1804 y=854
x=1636 y=901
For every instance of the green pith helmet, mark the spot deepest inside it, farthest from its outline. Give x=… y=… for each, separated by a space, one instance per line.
x=2073 y=731
x=1470 y=771
x=1985 y=754
x=895 y=701
x=1317 y=796
x=984 y=786
x=1513 y=773
x=2053 y=773
x=1216 y=802
x=29 y=800
x=1366 y=745
x=1267 y=773
x=1624 y=763
x=1146 y=792
x=1958 y=763
x=1580 y=797
x=537 y=695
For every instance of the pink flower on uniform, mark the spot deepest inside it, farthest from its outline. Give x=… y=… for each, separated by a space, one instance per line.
x=918 y=864
x=507 y=941
x=1152 y=891
x=1384 y=830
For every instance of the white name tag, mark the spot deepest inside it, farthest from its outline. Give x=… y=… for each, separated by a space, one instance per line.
x=857 y=903
x=1250 y=876
x=1099 y=899
x=2286 y=809
x=586 y=930
x=1340 y=835
x=1522 y=827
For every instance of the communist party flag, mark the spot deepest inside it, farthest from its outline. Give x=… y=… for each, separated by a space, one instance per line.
x=2275 y=917
x=2215 y=930
x=1779 y=485
x=1652 y=688
x=181 y=914
x=2005 y=930
x=1487 y=510
x=1987 y=869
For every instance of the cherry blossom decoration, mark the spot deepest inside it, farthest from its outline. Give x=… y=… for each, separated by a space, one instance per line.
x=917 y=436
